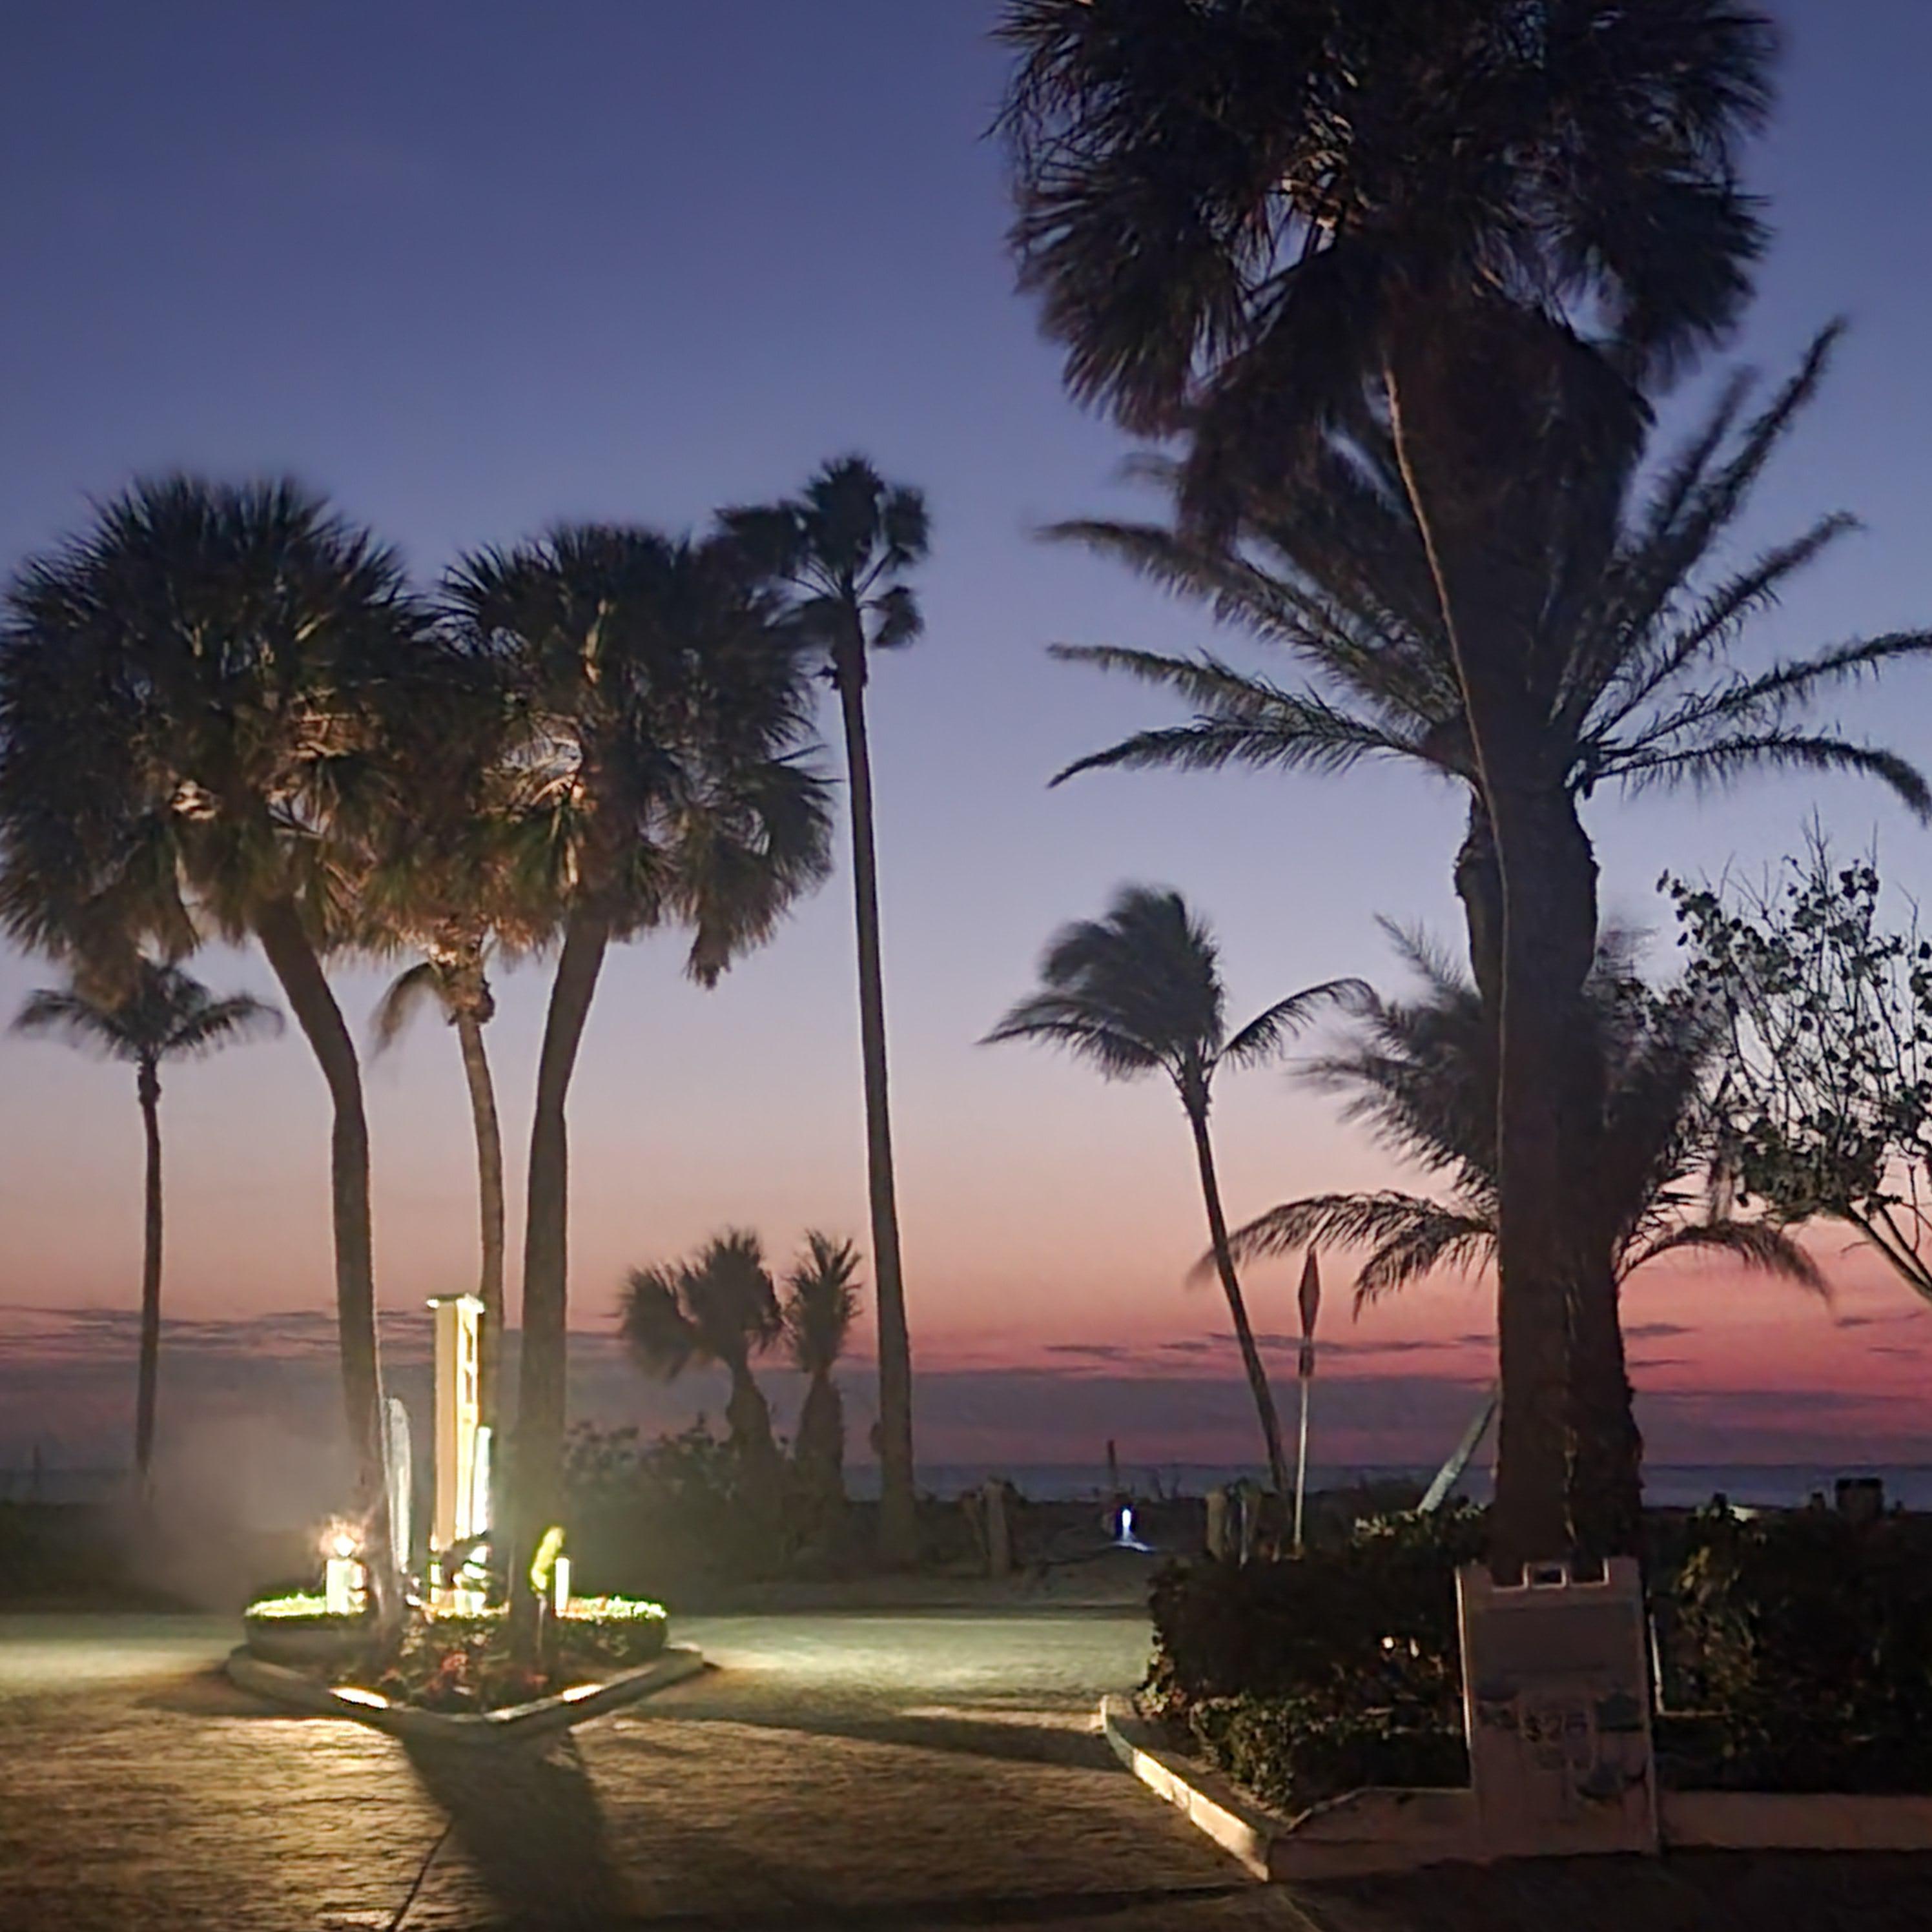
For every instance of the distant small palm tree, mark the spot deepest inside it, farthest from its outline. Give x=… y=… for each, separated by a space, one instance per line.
x=165 y=1015
x=1140 y=991
x=720 y=1308
x=821 y=1303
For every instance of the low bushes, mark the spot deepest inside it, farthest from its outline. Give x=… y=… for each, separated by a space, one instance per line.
x=1797 y=1656
x=1309 y=1676
x=1798 y=1649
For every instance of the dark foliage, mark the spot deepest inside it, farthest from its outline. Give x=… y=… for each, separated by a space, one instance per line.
x=1802 y=1645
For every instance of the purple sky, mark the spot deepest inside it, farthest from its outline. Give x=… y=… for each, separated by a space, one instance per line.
x=472 y=268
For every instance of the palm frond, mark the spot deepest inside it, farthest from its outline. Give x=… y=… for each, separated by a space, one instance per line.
x=1268 y=1032
x=1759 y=1244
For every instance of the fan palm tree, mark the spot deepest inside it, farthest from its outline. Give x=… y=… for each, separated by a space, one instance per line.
x=663 y=709
x=820 y=1305
x=165 y=1015
x=1140 y=991
x=1647 y=690
x=718 y=1308
x=444 y=887
x=1254 y=221
x=841 y=549
x=190 y=695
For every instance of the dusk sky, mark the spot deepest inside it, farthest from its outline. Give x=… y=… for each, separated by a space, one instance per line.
x=473 y=268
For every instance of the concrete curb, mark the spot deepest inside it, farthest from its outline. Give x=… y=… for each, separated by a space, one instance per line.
x=1384 y=1829
x=1380 y=1829
x=519 y=1723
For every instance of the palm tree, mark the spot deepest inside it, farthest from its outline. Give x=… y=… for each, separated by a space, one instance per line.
x=821 y=1303
x=1641 y=634
x=663 y=705
x=719 y=1309
x=166 y=1016
x=190 y=695
x=1422 y=1073
x=841 y=549
x=1486 y=227
x=444 y=887
x=1140 y=991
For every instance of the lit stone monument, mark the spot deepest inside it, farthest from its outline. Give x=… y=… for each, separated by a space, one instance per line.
x=462 y=1510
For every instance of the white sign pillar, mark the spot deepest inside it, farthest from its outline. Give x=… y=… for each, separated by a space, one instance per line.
x=1556 y=1697
x=459 y=1321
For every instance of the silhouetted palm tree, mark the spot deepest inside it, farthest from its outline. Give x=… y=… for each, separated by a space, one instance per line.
x=1422 y=1073
x=189 y=693
x=164 y=1016
x=842 y=548
x=664 y=704
x=718 y=1308
x=1139 y=991
x=1486 y=227
x=1641 y=634
x=445 y=885
x=820 y=1305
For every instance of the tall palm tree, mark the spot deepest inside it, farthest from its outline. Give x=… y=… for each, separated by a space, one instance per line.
x=719 y=1308
x=1140 y=991
x=190 y=693
x=842 y=548
x=820 y=1305
x=1252 y=221
x=164 y=1016
x=664 y=708
x=1642 y=634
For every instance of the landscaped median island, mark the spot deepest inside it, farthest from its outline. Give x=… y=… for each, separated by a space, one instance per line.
x=1793 y=1653
x=454 y=1672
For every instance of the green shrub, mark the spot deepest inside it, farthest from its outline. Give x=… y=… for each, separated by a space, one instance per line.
x=1800 y=1649
x=1308 y=1676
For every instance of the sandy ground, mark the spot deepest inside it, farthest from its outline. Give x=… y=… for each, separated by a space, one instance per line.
x=888 y=1772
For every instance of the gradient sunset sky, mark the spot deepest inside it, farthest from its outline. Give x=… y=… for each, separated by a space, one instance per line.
x=473 y=268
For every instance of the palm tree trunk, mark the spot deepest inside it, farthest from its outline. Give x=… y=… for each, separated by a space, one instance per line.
x=1605 y=1481
x=148 y=1373
x=1444 y=441
x=296 y=967
x=543 y=1363
x=1230 y=1285
x=490 y=1206
x=898 y=1529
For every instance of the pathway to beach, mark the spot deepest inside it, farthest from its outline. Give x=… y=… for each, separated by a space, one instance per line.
x=926 y=1769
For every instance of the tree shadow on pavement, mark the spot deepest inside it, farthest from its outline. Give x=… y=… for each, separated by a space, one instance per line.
x=528 y=1820
x=1010 y=1740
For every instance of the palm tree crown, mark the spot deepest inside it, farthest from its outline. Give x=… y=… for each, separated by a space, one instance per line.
x=165 y=1015
x=1224 y=205
x=1422 y=1074
x=841 y=548
x=719 y=1307
x=1140 y=991
x=821 y=1303
x=1635 y=682
x=661 y=714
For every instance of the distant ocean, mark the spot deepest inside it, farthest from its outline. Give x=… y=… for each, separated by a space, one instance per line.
x=1679 y=1486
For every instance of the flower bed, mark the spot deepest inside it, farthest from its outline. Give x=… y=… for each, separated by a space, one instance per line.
x=1797 y=1655
x=458 y=1663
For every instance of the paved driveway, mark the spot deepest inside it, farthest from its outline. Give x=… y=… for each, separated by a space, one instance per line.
x=885 y=1773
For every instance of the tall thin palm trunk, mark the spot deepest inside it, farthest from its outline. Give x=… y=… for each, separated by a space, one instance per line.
x=490 y=1207
x=1231 y=1286
x=148 y=1373
x=543 y=1363
x=899 y=1530
x=295 y=965
x=1434 y=438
